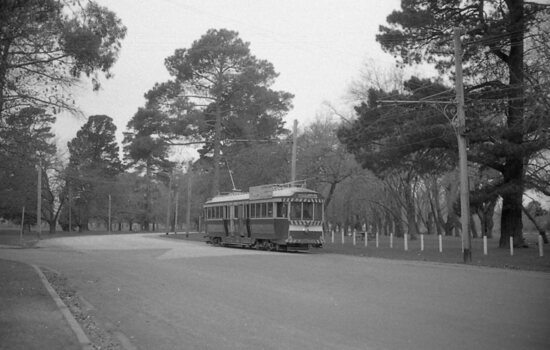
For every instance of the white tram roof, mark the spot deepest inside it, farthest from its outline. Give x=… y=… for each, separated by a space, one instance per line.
x=261 y=193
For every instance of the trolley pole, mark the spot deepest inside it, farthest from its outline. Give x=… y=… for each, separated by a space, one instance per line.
x=462 y=154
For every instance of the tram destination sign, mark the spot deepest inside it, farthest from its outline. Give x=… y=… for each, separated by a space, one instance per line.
x=261 y=192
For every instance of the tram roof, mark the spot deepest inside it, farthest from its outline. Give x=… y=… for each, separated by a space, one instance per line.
x=259 y=194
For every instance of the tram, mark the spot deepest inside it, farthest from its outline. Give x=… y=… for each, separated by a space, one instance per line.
x=285 y=217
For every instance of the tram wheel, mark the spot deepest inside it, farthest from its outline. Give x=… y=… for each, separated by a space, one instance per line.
x=257 y=245
x=281 y=247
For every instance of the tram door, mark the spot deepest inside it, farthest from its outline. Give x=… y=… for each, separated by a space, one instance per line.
x=235 y=226
x=239 y=212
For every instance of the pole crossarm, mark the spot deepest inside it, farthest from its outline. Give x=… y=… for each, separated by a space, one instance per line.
x=228 y=140
x=417 y=102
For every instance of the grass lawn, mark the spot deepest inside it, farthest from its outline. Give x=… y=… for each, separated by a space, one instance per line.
x=523 y=258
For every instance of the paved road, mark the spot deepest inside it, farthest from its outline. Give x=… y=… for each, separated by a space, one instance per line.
x=167 y=294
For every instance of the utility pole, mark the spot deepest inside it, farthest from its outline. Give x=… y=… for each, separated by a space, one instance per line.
x=176 y=211
x=22 y=226
x=39 y=200
x=169 y=203
x=294 y=144
x=70 y=208
x=109 y=230
x=462 y=154
x=188 y=214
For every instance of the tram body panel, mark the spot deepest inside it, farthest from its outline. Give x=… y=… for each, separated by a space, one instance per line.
x=289 y=217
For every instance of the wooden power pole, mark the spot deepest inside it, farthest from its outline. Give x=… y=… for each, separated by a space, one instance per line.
x=39 y=200
x=462 y=154
x=294 y=147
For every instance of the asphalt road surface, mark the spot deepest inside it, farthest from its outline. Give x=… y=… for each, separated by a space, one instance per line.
x=173 y=294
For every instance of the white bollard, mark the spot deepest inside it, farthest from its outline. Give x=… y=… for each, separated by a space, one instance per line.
x=440 y=243
x=541 y=246
x=366 y=239
x=422 y=242
x=342 y=233
x=332 y=236
x=406 y=241
x=377 y=239
x=511 y=246
x=354 y=233
x=391 y=240
x=484 y=245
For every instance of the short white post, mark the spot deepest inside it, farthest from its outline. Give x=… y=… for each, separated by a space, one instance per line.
x=342 y=234
x=354 y=234
x=541 y=246
x=484 y=245
x=440 y=237
x=377 y=239
x=406 y=241
x=366 y=238
x=391 y=240
x=332 y=236
x=511 y=246
x=422 y=242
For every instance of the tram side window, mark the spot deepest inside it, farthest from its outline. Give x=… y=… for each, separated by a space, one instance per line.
x=295 y=211
x=307 y=212
x=318 y=212
x=269 y=210
x=264 y=212
x=282 y=209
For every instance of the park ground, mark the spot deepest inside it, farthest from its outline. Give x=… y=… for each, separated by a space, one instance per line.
x=522 y=258
x=22 y=294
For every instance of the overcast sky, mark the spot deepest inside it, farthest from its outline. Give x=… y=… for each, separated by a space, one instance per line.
x=317 y=47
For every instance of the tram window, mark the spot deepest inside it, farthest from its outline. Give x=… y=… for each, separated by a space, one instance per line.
x=296 y=211
x=282 y=209
x=318 y=212
x=264 y=213
x=269 y=210
x=307 y=213
x=236 y=211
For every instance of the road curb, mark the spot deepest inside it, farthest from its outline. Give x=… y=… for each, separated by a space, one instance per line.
x=78 y=331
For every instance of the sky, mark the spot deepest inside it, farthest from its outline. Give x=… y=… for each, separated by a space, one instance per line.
x=318 y=48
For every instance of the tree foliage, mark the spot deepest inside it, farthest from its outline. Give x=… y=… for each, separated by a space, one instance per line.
x=26 y=138
x=45 y=45
x=220 y=92
x=510 y=129
x=93 y=166
x=392 y=137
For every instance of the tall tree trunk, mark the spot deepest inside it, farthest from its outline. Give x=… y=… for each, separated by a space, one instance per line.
x=331 y=190
x=485 y=212
x=451 y=197
x=512 y=196
x=436 y=207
